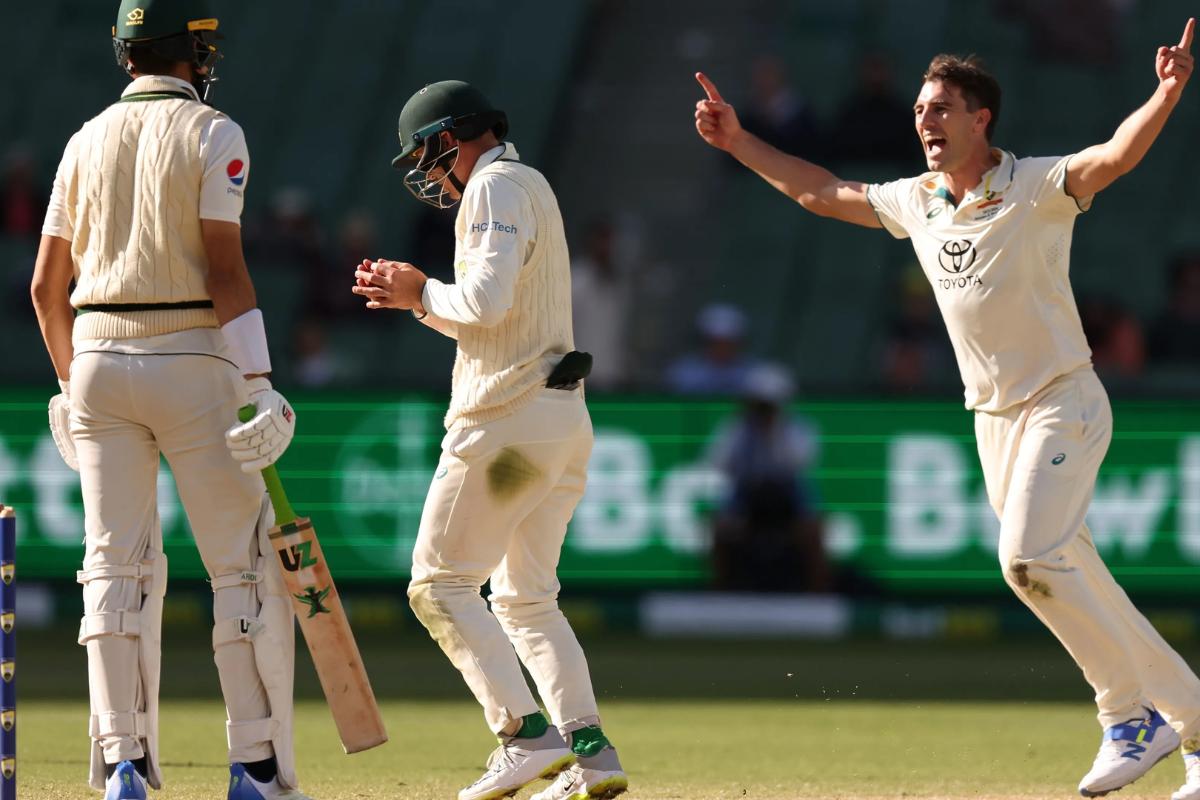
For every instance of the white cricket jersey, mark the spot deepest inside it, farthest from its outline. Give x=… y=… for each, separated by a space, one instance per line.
x=510 y=304
x=998 y=264
x=223 y=153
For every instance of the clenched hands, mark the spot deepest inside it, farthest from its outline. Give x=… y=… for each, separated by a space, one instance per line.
x=1173 y=65
x=716 y=121
x=389 y=284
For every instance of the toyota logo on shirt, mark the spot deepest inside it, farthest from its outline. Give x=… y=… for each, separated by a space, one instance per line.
x=957 y=256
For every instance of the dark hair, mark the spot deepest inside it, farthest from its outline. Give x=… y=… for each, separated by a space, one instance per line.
x=977 y=85
x=147 y=62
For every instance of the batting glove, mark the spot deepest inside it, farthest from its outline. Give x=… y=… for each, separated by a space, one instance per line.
x=60 y=425
x=259 y=443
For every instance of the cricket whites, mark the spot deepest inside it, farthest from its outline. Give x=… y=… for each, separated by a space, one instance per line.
x=323 y=621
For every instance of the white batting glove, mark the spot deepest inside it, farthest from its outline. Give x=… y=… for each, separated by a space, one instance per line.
x=259 y=443
x=60 y=425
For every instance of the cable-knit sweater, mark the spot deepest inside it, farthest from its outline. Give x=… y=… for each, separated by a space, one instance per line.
x=510 y=305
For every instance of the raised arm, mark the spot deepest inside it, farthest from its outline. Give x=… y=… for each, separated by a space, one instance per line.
x=1093 y=169
x=815 y=188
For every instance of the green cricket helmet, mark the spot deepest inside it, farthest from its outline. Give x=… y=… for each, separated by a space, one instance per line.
x=447 y=106
x=176 y=30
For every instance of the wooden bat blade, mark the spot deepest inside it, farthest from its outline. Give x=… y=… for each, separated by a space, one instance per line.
x=330 y=640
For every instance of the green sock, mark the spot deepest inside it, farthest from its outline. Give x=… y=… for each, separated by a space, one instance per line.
x=532 y=726
x=588 y=741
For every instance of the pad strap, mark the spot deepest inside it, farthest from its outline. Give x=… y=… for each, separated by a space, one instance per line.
x=110 y=623
x=235 y=629
x=251 y=732
x=139 y=571
x=244 y=578
x=118 y=723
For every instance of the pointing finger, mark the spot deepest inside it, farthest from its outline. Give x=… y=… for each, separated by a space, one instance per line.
x=709 y=88
x=1188 y=31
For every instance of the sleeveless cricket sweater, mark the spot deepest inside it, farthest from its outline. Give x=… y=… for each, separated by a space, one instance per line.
x=500 y=369
x=134 y=200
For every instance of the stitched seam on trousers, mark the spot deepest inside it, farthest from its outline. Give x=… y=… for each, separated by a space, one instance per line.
x=139 y=355
x=539 y=678
x=463 y=643
x=441 y=610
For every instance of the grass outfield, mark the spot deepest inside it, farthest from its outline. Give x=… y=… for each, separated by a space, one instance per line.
x=675 y=749
x=693 y=719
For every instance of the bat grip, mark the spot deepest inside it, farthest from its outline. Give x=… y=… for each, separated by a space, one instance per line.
x=284 y=513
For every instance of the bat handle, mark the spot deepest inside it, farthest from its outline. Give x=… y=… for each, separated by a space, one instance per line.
x=284 y=513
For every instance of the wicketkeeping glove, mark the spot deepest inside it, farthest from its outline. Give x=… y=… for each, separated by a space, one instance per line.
x=259 y=443
x=60 y=425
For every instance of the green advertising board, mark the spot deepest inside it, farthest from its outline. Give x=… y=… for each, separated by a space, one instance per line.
x=900 y=487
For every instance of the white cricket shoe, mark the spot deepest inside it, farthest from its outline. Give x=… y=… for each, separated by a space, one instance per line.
x=1191 y=782
x=1127 y=752
x=518 y=762
x=597 y=777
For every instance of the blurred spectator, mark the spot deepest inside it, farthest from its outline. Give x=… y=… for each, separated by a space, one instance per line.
x=721 y=367
x=328 y=289
x=288 y=234
x=918 y=356
x=874 y=124
x=1175 y=336
x=433 y=241
x=1069 y=32
x=314 y=364
x=600 y=305
x=776 y=112
x=22 y=202
x=767 y=533
x=1115 y=336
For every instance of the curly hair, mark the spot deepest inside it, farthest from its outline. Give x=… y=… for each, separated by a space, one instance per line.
x=979 y=88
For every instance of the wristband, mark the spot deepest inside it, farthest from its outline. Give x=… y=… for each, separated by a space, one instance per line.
x=247 y=340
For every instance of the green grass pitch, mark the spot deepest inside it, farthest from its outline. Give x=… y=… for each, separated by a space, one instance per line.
x=674 y=749
x=773 y=720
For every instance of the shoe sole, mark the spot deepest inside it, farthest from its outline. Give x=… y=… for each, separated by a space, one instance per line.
x=1156 y=762
x=604 y=790
x=549 y=772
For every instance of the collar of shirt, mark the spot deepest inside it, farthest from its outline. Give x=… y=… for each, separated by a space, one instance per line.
x=503 y=150
x=993 y=183
x=152 y=83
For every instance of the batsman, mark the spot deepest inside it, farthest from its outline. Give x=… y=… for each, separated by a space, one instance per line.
x=155 y=349
x=514 y=459
x=993 y=234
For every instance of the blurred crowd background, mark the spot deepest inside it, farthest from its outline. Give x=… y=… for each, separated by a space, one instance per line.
x=688 y=271
x=691 y=277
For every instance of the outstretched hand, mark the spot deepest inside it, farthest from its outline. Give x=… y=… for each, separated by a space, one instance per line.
x=1174 y=64
x=716 y=121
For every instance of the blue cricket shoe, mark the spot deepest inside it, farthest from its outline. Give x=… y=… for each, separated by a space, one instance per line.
x=126 y=783
x=243 y=787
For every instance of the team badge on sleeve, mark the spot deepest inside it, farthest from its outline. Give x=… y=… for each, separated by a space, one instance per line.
x=236 y=170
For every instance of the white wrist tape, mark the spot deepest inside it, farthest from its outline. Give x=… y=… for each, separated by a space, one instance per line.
x=247 y=339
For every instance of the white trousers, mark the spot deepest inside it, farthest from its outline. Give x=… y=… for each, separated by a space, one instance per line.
x=498 y=509
x=126 y=409
x=1040 y=461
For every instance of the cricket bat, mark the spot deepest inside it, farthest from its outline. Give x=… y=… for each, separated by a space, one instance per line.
x=322 y=620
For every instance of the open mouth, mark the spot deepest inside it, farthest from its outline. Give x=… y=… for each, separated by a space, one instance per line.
x=934 y=145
